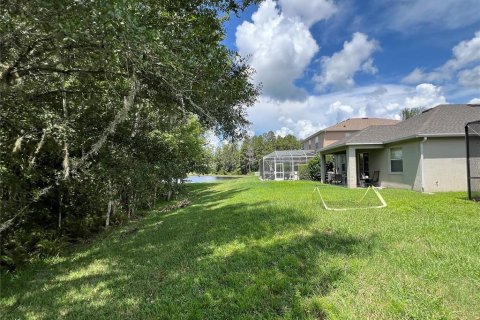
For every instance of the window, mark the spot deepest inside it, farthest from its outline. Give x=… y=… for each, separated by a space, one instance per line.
x=396 y=160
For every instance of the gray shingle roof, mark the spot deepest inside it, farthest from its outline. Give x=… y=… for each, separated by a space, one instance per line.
x=355 y=124
x=443 y=120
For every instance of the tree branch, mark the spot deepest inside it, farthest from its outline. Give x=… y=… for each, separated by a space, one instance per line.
x=120 y=117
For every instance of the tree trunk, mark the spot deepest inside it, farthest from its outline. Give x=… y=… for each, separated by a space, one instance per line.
x=109 y=211
x=60 y=212
x=155 y=197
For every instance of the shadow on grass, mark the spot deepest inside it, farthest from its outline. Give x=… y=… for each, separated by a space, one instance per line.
x=214 y=261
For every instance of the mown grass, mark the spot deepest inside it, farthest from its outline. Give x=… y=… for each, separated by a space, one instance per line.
x=249 y=249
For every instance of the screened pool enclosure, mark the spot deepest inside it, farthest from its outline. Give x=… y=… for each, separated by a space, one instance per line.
x=283 y=165
x=472 y=135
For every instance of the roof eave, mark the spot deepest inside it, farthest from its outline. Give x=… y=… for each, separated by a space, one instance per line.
x=339 y=146
x=441 y=135
x=425 y=135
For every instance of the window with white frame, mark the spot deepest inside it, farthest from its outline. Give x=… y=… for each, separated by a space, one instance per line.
x=396 y=160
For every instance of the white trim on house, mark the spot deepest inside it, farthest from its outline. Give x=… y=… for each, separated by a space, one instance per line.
x=429 y=135
x=390 y=160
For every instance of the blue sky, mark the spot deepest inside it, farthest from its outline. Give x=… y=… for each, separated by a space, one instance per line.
x=322 y=61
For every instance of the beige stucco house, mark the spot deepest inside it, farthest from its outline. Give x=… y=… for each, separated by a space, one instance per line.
x=341 y=130
x=424 y=153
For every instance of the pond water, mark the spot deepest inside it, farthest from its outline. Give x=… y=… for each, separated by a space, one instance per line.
x=202 y=179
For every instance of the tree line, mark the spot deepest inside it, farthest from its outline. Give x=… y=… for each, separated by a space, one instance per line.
x=103 y=108
x=244 y=157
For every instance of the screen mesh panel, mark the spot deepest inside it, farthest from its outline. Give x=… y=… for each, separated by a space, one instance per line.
x=284 y=165
x=472 y=133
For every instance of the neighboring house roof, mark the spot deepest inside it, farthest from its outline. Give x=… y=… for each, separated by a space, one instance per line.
x=291 y=153
x=441 y=121
x=355 y=124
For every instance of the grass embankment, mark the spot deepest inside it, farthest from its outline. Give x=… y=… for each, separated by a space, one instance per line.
x=251 y=249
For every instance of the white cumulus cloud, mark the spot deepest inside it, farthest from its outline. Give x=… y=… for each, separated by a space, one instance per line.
x=280 y=47
x=465 y=54
x=284 y=131
x=427 y=96
x=343 y=111
x=308 y=11
x=338 y=70
x=470 y=78
x=301 y=128
x=474 y=101
x=302 y=118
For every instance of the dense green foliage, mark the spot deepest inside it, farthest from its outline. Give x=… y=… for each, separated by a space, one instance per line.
x=103 y=108
x=304 y=172
x=248 y=249
x=406 y=113
x=314 y=168
x=227 y=159
x=245 y=158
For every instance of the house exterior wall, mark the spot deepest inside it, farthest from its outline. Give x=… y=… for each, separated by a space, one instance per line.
x=334 y=136
x=445 y=166
x=324 y=139
x=311 y=143
x=410 y=178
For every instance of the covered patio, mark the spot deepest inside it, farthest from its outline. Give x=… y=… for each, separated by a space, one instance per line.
x=352 y=165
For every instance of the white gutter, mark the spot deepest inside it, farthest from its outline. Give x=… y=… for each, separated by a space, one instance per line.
x=422 y=177
x=423 y=135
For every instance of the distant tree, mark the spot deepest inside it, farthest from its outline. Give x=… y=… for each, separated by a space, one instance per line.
x=253 y=149
x=227 y=159
x=269 y=140
x=289 y=142
x=258 y=152
x=247 y=156
x=407 y=113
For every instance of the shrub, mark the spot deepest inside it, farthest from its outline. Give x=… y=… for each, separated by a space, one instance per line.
x=314 y=168
x=304 y=173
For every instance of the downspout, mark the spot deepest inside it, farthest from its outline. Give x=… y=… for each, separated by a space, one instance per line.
x=422 y=174
x=467 y=145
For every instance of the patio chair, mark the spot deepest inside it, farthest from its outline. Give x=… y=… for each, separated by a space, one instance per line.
x=337 y=178
x=375 y=178
x=330 y=176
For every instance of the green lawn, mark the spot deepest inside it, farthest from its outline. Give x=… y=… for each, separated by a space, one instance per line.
x=249 y=249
